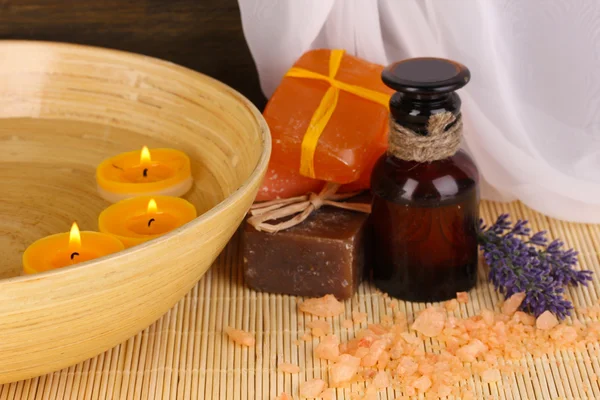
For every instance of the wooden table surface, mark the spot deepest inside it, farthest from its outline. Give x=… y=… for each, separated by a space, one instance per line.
x=205 y=35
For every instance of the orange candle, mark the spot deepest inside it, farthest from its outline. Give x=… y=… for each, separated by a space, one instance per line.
x=139 y=219
x=147 y=172
x=64 y=249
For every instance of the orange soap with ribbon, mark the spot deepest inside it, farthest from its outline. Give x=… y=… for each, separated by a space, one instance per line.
x=329 y=122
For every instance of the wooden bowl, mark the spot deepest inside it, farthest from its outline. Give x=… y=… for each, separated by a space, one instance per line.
x=65 y=108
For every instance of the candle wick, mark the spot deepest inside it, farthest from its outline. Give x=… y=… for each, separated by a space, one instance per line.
x=74 y=254
x=145 y=172
x=150 y=222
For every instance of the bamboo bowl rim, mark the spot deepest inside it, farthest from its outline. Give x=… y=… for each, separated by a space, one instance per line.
x=224 y=204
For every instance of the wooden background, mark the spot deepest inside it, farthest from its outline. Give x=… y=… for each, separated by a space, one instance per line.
x=205 y=35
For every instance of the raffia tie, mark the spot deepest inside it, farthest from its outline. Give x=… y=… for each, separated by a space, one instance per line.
x=438 y=144
x=301 y=207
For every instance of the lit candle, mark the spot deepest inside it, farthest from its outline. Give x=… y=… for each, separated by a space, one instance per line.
x=139 y=219
x=165 y=172
x=64 y=249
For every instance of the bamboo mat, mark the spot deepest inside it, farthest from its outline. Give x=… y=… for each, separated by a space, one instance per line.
x=186 y=356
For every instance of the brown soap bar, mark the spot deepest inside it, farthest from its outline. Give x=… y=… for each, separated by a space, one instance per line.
x=325 y=254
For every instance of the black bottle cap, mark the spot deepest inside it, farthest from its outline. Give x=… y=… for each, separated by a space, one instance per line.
x=426 y=76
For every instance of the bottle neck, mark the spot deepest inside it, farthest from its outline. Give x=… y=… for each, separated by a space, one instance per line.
x=413 y=111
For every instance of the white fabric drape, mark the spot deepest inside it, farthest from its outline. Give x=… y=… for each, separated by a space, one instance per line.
x=532 y=117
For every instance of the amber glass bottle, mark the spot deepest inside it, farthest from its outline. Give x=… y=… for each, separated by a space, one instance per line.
x=425 y=214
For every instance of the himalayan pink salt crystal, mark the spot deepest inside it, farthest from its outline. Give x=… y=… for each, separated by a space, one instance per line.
x=397 y=351
x=318 y=332
x=328 y=348
x=451 y=322
x=328 y=394
x=347 y=347
x=374 y=352
x=396 y=330
x=319 y=327
x=343 y=370
x=284 y=396
x=487 y=316
x=491 y=375
x=462 y=297
x=422 y=384
x=451 y=305
x=289 y=368
x=370 y=393
x=368 y=374
x=377 y=329
x=366 y=339
x=441 y=366
x=240 y=337
x=546 y=321
x=469 y=352
x=523 y=318
x=400 y=318
x=512 y=304
x=387 y=321
x=312 y=389
x=359 y=317
x=407 y=366
x=515 y=354
x=471 y=325
x=443 y=391
x=500 y=330
x=418 y=352
x=326 y=306
x=478 y=367
x=410 y=338
x=430 y=322
x=425 y=368
x=347 y=323
x=383 y=360
x=564 y=334
x=452 y=343
x=468 y=395
x=490 y=358
x=594 y=327
x=381 y=380
x=361 y=352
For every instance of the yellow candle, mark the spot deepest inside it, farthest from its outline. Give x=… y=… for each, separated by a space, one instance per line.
x=139 y=219
x=147 y=172
x=64 y=249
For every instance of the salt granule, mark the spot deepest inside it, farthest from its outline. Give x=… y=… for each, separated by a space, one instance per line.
x=326 y=306
x=312 y=389
x=240 y=337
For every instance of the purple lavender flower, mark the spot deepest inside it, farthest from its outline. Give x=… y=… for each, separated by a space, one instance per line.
x=523 y=263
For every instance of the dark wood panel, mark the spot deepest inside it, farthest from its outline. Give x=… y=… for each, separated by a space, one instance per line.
x=205 y=35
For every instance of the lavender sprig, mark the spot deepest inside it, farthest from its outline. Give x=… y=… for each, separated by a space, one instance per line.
x=521 y=262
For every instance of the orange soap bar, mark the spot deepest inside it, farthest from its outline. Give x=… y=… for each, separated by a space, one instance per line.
x=283 y=182
x=357 y=120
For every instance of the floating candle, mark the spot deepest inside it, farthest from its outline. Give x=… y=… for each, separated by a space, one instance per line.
x=139 y=219
x=64 y=249
x=139 y=173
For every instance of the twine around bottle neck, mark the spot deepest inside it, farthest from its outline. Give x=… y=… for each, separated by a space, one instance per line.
x=440 y=142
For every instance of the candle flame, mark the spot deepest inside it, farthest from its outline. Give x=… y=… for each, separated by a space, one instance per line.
x=145 y=156
x=152 y=207
x=74 y=236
